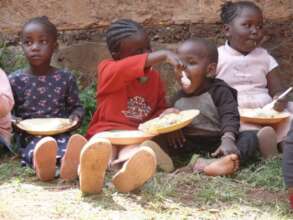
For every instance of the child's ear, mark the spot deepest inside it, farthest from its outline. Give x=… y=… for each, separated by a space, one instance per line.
x=115 y=55
x=211 y=70
x=56 y=46
x=226 y=29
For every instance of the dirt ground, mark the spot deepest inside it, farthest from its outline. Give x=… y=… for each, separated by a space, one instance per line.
x=256 y=192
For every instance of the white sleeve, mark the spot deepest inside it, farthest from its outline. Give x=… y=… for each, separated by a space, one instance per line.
x=272 y=63
x=6 y=97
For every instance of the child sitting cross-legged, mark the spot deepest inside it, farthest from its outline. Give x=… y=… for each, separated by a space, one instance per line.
x=129 y=92
x=215 y=130
x=249 y=68
x=43 y=91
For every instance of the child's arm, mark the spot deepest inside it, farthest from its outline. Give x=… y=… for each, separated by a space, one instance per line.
x=174 y=139
x=6 y=97
x=114 y=75
x=162 y=56
x=228 y=145
x=275 y=89
x=225 y=99
x=73 y=102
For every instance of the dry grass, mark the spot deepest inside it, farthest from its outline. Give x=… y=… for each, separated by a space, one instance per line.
x=254 y=193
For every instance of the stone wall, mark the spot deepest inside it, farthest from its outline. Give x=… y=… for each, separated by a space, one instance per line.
x=84 y=14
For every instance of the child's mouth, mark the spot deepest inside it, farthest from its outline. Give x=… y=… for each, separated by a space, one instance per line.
x=185 y=81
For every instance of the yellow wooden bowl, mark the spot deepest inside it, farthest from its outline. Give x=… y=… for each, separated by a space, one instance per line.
x=125 y=137
x=170 y=122
x=45 y=126
x=256 y=116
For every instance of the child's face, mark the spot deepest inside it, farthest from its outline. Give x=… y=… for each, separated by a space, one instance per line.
x=139 y=43
x=194 y=56
x=245 y=31
x=38 y=45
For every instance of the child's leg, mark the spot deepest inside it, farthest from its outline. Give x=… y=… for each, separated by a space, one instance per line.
x=282 y=129
x=225 y=165
x=124 y=153
x=267 y=142
x=164 y=161
x=70 y=160
x=94 y=160
x=44 y=158
x=139 y=168
x=114 y=162
x=288 y=164
x=247 y=144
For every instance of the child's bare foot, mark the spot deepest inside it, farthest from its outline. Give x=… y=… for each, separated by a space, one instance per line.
x=200 y=164
x=70 y=160
x=136 y=171
x=94 y=159
x=225 y=165
x=267 y=142
x=45 y=158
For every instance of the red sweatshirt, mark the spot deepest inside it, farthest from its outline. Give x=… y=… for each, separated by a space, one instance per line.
x=122 y=101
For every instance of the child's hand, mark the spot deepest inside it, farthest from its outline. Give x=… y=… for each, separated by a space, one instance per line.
x=175 y=61
x=15 y=120
x=74 y=118
x=176 y=139
x=281 y=104
x=161 y=56
x=227 y=146
x=169 y=111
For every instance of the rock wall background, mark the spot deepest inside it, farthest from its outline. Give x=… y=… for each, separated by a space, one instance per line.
x=82 y=14
x=82 y=24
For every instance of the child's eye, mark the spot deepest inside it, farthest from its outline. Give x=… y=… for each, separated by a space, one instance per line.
x=27 y=43
x=44 y=42
x=258 y=27
x=246 y=25
x=191 y=62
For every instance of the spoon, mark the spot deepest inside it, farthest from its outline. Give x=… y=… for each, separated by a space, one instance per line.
x=185 y=80
x=284 y=94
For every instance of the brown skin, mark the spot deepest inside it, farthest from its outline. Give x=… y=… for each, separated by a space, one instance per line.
x=244 y=34
x=38 y=46
x=198 y=68
x=139 y=43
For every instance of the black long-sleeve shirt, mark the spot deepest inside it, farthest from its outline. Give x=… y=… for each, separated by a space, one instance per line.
x=218 y=106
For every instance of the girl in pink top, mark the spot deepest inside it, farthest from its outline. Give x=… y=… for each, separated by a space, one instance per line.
x=247 y=67
x=6 y=104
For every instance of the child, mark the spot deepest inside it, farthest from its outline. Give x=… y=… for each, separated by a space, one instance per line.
x=248 y=68
x=42 y=91
x=216 y=128
x=129 y=92
x=288 y=164
x=6 y=105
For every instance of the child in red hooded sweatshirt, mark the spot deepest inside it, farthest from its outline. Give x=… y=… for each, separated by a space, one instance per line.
x=129 y=92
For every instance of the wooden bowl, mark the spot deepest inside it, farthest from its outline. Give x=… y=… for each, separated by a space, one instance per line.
x=248 y=115
x=45 y=126
x=125 y=137
x=170 y=122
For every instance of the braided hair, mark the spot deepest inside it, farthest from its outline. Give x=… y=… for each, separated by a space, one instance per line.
x=230 y=10
x=120 y=30
x=46 y=23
